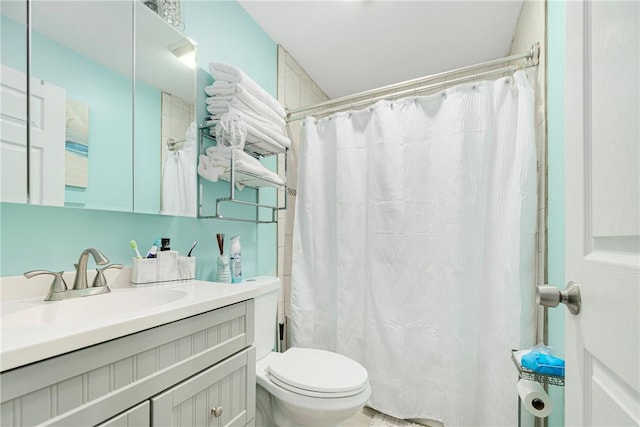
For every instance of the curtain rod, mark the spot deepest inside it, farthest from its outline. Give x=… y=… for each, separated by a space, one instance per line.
x=372 y=95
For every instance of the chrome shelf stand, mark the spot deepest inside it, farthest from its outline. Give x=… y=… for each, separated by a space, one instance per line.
x=248 y=179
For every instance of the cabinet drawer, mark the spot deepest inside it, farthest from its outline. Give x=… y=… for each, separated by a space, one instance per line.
x=138 y=416
x=228 y=387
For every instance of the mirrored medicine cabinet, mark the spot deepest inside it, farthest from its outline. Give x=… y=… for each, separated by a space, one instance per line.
x=112 y=96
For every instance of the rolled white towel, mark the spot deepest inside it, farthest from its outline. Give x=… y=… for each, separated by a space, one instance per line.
x=232 y=74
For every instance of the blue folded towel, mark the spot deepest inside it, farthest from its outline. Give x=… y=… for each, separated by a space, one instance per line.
x=543 y=363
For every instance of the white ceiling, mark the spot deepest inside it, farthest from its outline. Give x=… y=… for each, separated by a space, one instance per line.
x=352 y=46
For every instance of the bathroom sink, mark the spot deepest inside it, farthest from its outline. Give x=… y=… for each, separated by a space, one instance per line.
x=116 y=303
x=32 y=329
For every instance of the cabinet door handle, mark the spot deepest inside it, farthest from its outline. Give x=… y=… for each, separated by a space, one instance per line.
x=217 y=411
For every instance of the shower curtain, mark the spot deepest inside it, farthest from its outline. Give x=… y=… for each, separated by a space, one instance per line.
x=413 y=247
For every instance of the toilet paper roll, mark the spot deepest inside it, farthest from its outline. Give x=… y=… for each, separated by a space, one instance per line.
x=534 y=398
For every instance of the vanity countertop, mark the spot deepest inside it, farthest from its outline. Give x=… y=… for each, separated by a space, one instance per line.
x=34 y=330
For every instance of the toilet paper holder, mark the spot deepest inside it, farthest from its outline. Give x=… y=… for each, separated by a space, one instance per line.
x=524 y=373
x=527 y=374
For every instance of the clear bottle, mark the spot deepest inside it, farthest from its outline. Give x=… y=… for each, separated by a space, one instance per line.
x=235 y=259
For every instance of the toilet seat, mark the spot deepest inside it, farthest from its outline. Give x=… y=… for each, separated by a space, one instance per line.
x=317 y=373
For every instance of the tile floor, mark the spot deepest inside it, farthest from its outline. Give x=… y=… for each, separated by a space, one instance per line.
x=364 y=417
x=361 y=419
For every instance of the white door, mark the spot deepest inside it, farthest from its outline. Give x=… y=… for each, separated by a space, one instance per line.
x=13 y=136
x=602 y=98
x=47 y=140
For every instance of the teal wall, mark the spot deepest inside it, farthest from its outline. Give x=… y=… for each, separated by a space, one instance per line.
x=555 y=182
x=13 y=43
x=52 y=238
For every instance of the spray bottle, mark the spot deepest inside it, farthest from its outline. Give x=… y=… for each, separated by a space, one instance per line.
x=235 y=258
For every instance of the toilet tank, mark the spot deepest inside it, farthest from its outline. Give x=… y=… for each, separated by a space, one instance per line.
x=266 y=314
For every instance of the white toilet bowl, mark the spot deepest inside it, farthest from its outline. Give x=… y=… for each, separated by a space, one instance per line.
x=301 y=387
x=314 y=398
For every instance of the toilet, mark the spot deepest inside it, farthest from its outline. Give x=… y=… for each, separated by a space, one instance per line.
x=302 y=386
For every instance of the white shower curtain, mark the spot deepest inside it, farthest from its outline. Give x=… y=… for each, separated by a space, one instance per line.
x=413 y=247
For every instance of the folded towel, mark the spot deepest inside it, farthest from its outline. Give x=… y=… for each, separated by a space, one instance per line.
x=212 y=122
x=268 y=141
x=221 y=103
x=221 y=156
x=246 y=103
x=218 y=98
x=224 y=153
x=247 y=114
x=222 y=88
x=231 y=74
x=257 y=127
x=225 y=89
x=208 y=170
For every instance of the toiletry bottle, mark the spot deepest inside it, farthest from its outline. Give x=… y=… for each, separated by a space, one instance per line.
x=235 y=259
x=165 y=244
x=154 y=249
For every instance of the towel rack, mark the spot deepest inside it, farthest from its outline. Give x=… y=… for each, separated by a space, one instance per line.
x=248 y=179
x=175 y=145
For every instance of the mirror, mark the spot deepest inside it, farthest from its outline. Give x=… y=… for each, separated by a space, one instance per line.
x=165 y=94
x=13 y=109
x=97 y=119
x=86 y=67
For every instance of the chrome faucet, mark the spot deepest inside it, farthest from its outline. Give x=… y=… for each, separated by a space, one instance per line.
x=80 y=281
x=59 y=290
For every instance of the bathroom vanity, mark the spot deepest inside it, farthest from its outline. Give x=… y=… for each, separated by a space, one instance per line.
x=189 y=361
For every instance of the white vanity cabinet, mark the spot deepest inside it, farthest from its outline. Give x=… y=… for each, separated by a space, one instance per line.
x=170 y=375
x=216 y=397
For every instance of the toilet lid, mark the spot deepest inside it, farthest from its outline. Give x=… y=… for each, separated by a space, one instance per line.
x=318 y=373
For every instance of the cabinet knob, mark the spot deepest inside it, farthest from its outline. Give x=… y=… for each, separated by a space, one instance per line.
x=217 y=411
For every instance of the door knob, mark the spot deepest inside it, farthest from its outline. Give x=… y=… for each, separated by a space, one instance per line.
x=550 y=296
x=217 y=411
